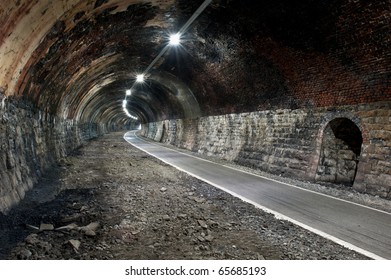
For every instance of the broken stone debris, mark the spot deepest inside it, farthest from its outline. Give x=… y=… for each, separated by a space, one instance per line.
x=75 y=244
x=199 y=199
x=203 y=224
x=31 y=227
x=69 y=227
x=209 y=238
x=90 y=229
x=32 y=239
x=166 y=218
x=194 y=223
x=46 y=227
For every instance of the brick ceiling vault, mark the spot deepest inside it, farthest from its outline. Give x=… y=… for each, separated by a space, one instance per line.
x=76 y=58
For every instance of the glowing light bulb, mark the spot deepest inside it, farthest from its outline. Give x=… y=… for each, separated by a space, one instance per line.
x=128 y=92
x=140 y=78
x=130 y=115
x=175 y=39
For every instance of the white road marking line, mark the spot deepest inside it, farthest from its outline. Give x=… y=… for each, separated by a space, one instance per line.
x=275 y=213
x=269 y=179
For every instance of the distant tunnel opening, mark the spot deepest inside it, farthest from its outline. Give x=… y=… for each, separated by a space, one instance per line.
x=340 y=152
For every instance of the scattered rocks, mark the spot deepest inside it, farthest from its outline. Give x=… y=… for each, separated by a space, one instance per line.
x=90 y=229
x=69 y=227
x=201 y=239
x=141 y=221
x=24 y=254
x=209 y=238
x=166 y=218
x=144 y=219
x=72 y=218
x=32 y=239
x=89 y=232
x=44 y=246
x=199 y=199
x=75 y=244
x=33 y=228
x=202 y=224
x=46 y=227
x=91 y=226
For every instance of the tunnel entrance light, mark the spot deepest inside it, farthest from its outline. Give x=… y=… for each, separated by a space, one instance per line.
x=128 y=92
x=175 y=39
x=140 y=78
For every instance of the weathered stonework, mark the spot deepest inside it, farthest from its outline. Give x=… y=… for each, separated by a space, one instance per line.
x=268 y=76
x=289 y=142
x=340 y=152
x=30 y=143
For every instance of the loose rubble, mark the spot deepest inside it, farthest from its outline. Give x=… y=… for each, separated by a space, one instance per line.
x=115 y=202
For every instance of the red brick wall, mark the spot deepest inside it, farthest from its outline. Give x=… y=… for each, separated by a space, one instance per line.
x=296 y=61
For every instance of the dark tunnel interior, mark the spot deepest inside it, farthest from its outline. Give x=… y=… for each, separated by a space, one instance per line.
x=266 y=75
x=281 y=109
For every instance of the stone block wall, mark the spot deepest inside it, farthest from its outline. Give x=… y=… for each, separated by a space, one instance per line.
x=30 y=143
x=288 y=142
x=374 y=170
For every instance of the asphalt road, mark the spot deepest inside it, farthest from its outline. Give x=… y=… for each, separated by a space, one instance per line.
x=363 y=229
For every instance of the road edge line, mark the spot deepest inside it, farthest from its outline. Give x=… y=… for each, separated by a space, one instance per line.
x=266 y=178
x=277 y=215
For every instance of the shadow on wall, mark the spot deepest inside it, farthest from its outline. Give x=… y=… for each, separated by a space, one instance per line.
x=340 y=152
x=31 y=142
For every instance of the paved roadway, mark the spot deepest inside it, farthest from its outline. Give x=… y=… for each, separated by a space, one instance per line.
x=363 y=229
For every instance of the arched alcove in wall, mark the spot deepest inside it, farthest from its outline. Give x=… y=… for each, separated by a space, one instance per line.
x=340 y=152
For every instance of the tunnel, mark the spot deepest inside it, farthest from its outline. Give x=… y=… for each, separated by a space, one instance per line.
x=290 y=88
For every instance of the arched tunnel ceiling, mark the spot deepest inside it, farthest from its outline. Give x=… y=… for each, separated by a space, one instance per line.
x=76 y=58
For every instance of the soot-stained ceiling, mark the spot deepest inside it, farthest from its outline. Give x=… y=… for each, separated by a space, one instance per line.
x=77 y=58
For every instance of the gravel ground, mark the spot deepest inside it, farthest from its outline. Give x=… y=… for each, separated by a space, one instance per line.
x=112 y=201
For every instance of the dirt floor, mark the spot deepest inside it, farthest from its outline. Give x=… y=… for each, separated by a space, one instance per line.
x=112 y=201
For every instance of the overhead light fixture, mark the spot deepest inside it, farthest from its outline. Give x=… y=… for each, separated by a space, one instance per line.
x=140 y=78
x=129 y=114
x=175 y=39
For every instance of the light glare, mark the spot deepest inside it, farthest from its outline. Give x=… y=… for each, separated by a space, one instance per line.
x=175 y=39
x=128 y=92
x=140 y=78
x=124 y=102
x=129 y=114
